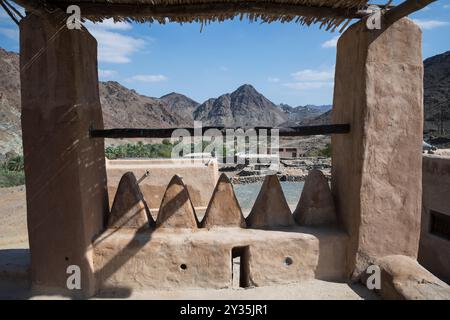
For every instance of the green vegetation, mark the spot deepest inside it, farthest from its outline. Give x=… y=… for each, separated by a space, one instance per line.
x=140 y=150
x=160 y=150
x=325 y=152
x=12 y=169
x=11 y=172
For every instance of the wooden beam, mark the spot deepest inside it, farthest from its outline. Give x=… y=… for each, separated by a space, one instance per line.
x=33 y=7
x=128 y=133
x=325 y=129
x=92 y=10
x=405 y=8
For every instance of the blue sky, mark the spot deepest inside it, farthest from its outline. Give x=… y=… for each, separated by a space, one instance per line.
x=288 y=63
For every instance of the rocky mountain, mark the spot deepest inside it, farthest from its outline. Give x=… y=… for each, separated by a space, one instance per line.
x=301 y=114
x=437 y=96
x=324 y=118
x=244 y=107
x=321 y=108
x=181 y=105
x=125 y=108
x=10 y=129
x=122 y=107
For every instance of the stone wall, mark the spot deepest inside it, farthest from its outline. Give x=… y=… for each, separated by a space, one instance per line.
x=434 y=249
x=199 y=175
x=376 y=168
x=65 y=173
x=164 y=259
x=180 y=251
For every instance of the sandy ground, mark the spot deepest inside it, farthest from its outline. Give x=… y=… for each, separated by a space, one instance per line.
x=14 y=261
x=13 y=218
x=308 y=290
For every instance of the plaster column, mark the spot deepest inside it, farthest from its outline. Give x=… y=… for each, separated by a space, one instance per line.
x=377 y=168
x=65 y=173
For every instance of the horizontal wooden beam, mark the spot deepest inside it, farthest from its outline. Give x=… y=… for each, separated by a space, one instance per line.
x=101 y=9
x=404 y=9
x=128 y=133
x=324 y=129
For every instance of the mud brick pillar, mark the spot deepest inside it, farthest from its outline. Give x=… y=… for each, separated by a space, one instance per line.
x=65 y=170
x=377 y=168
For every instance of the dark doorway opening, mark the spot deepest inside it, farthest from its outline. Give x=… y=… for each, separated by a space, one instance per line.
x=240 y=267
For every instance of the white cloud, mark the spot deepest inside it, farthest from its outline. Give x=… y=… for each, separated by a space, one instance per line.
x=313 y=75
x=114 y=47
x=110 y=24
x=332 y=43
x=309 y=85
x=310 y=79
x=273 y=79
x=430 y=24
x=10 y=33
x=105 y=74
x=148 y=78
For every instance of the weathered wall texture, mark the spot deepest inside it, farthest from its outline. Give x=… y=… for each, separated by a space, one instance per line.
x=176 y=209
x=164 y=259
x=376 y=175
x=316 y=205
x=403 y=278
x=200 y=178
x=223 y=208
x=65 y=169
x=270 y=207
x=434 y=249
x=129 y=209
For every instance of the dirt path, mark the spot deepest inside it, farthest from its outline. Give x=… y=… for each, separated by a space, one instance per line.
x=13 y=218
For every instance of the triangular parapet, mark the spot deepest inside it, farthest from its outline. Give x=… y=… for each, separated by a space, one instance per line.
x=129 y=208
x=270 y=208
x=316 y=205
x=176 y=209
x=223 y=208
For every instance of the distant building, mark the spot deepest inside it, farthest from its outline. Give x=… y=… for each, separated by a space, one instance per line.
x=288 y=152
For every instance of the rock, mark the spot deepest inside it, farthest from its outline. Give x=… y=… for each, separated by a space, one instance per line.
x=129 y=208
x=270 y=208
x=316 y=205
x=176 y=209
x=442 y=152
x=404 y=278
x=223 y=209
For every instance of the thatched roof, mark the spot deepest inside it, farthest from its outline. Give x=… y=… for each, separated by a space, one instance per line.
x=327 y=13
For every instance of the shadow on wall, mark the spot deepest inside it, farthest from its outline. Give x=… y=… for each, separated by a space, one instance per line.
x=177 y=212
x=176 y=209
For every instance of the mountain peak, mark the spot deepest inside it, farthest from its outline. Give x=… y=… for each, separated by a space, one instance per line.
x=244 y=107
x=180 y=104
x=246 y=88
x=171 y=94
